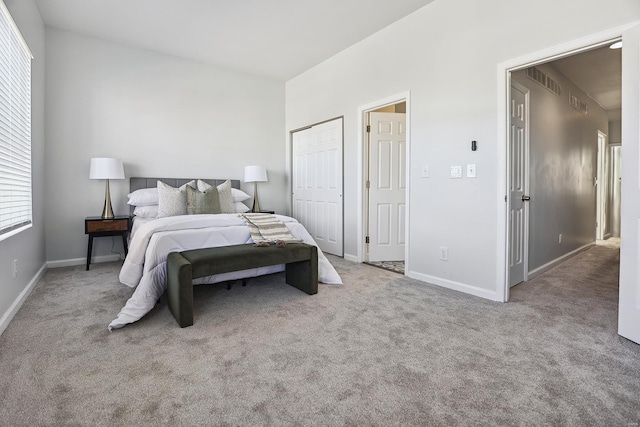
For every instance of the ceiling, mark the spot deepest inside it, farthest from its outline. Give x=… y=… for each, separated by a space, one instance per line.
x=598 y=72
x=277 y=38
x=273 y=38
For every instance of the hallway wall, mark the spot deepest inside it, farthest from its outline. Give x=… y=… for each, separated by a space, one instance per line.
x=562 y=168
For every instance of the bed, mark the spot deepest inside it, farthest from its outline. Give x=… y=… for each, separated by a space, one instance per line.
x=152 y=239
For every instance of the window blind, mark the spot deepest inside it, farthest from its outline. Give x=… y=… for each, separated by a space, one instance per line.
x=15 y=127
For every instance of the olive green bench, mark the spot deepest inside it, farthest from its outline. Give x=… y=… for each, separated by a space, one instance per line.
x=300 y=259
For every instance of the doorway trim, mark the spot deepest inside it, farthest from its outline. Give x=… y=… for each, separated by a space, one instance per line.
x=602 y=190
x=363 y=110
x=615 y=191
x=526 y=186
x=504 y=70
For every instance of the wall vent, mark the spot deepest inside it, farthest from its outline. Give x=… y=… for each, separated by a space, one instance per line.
x=575 y=102
x=543 y=79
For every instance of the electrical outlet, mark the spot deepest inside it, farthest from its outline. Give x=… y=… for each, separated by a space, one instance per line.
x=456 y=172
x=15 y=268
x=559 y=238
x=444 y=253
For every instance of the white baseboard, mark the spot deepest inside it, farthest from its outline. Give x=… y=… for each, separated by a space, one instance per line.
x=352 y=258
x=9 y=314
x=456 y=286
x=548 y=266
x=82 y=261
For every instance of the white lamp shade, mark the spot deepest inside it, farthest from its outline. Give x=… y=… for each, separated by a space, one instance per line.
x=106 y=168
x=255 y=174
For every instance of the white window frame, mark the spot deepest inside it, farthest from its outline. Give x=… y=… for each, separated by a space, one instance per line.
x=16 y=201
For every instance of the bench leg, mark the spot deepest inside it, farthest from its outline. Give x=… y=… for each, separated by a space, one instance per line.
x=180 y=289
x=304 y=274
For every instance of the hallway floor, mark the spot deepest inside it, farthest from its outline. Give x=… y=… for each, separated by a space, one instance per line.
x=395 y=266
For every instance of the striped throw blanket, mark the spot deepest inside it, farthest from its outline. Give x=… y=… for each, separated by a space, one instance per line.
x=267 y=228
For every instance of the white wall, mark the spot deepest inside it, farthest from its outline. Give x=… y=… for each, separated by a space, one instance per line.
x=562 y=165
x=162 y=115
x=28 y=246
x=446 y=54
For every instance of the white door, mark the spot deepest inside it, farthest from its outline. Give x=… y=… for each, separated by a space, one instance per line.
x=317 y=183
x=601 y=189
x=387 y=186
x=629 y=304
x=518 y=182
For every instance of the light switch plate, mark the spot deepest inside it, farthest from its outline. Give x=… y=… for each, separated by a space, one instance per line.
x=471 y=170
x=456 y=172
x=426 y=172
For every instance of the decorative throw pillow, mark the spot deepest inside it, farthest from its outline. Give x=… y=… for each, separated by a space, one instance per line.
x=172 y=201
x=143 y=197
x=224 y=195
x=203 y=186
x=226 y=199
x=202 y=202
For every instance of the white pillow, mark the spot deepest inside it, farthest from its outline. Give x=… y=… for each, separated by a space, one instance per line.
x=241 y=207
x=224 y=195
x=239 y=195
x=172 y=201
x=143 y=197
x=146 y=211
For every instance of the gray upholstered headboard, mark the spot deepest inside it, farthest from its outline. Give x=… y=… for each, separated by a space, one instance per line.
x=136 y=183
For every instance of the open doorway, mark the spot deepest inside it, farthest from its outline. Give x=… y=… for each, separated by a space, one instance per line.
x=629 y=276
x=562 y=200
x=385 y=162
x=603 y=201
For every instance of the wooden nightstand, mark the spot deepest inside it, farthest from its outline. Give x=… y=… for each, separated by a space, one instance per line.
x=96 y=226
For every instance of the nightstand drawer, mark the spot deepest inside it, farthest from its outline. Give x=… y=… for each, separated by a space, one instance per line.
x=96 y=226
x=107 y=225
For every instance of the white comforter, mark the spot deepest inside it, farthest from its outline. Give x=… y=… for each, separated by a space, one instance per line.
x=145 y=265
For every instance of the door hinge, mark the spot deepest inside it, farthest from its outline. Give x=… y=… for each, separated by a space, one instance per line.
x=368 y=128
x=368 y=184
x=366 y=239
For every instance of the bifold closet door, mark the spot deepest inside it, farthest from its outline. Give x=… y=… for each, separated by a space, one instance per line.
x=317 y=183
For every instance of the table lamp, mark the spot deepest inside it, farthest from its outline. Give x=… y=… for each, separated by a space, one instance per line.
x=255 y=174
x=106 y=168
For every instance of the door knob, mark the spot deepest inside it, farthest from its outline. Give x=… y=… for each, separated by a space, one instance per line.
x=526 y=198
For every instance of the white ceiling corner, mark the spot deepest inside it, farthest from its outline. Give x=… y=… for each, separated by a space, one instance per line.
x=598 y=72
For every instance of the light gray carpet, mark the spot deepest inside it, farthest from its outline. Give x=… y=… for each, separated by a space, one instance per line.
x=380 y=350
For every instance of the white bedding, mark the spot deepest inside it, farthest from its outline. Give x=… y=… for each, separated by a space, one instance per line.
x=145 y=265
